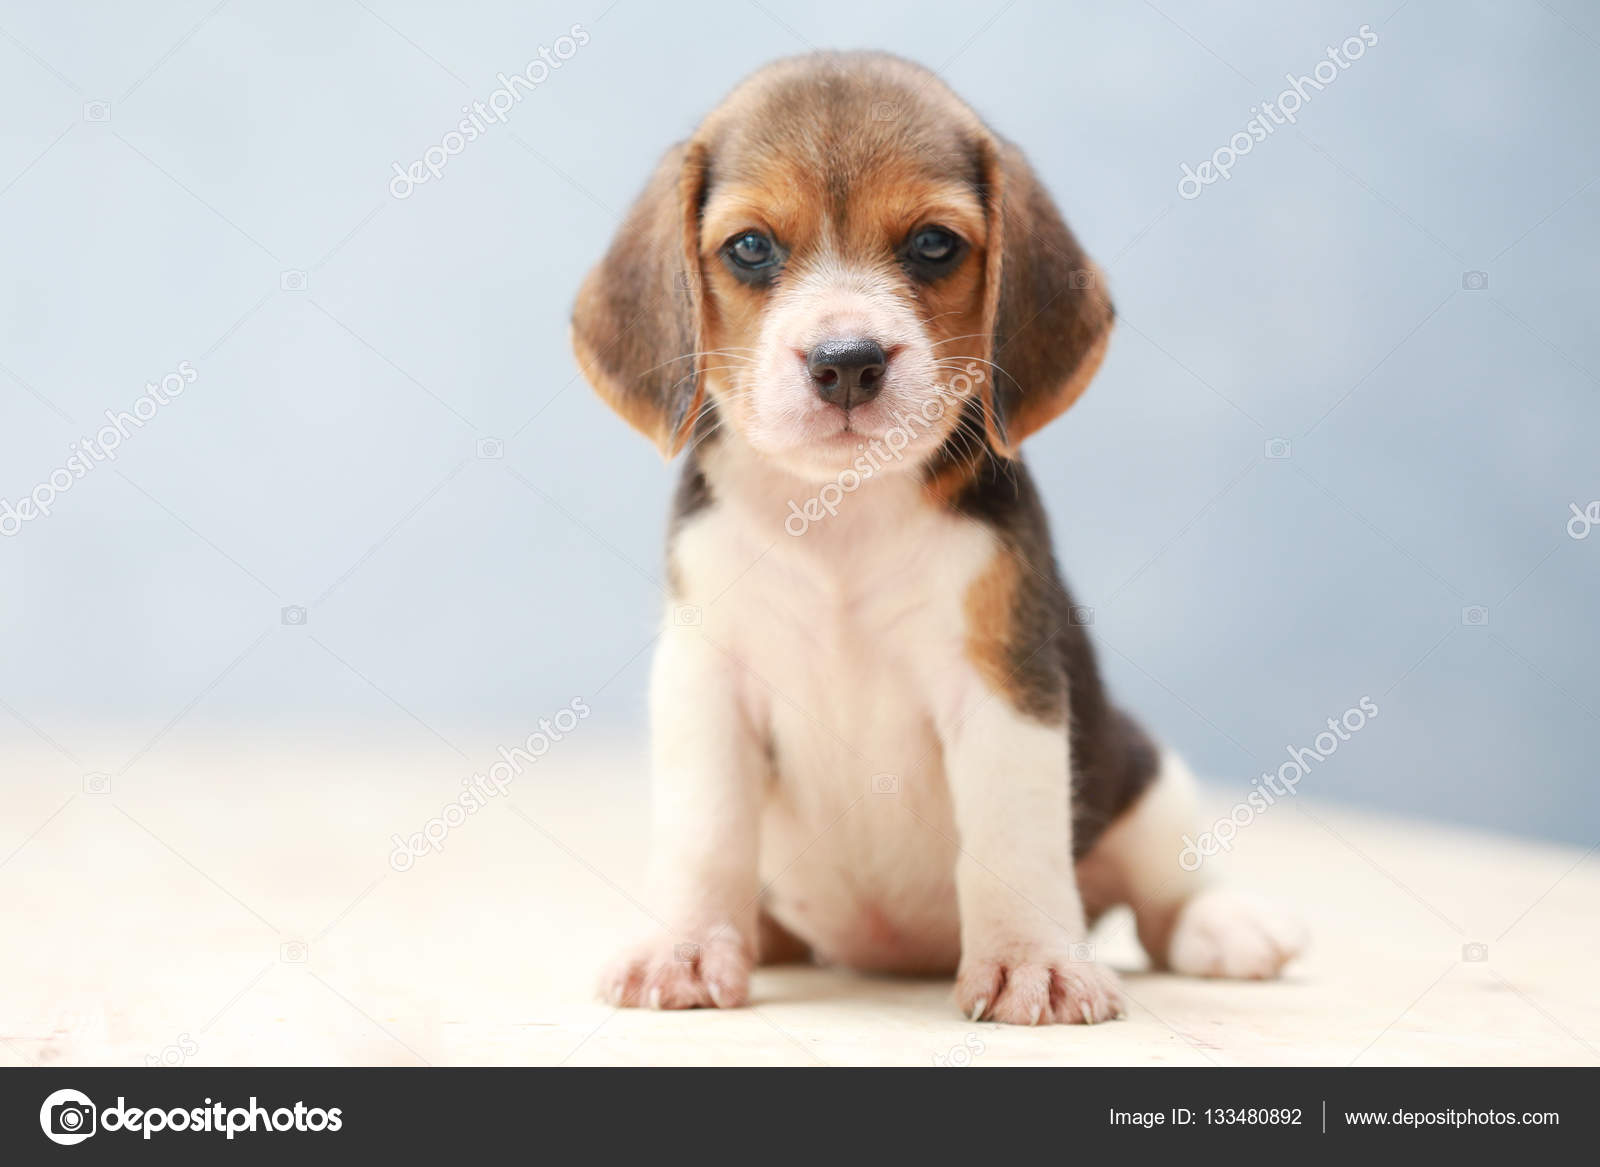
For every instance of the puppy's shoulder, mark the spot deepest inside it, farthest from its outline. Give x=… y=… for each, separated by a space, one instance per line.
x=1019 y=615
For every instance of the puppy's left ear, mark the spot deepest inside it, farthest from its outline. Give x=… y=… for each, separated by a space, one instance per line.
x=1046 y=309
x=638 y=320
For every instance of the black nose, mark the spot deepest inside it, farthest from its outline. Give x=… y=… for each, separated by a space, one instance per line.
x=847 y=370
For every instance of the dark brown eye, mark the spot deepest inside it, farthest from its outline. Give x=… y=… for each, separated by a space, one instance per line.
x=932 y=252
x=934 y=245
x=754 y=258
x=753 y=250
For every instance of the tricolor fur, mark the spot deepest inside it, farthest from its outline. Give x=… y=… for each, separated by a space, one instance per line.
x=879 y=735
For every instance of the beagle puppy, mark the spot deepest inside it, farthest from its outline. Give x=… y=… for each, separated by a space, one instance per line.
x=879 y=737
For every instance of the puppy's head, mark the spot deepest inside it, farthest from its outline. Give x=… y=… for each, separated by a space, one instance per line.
x=843 y=255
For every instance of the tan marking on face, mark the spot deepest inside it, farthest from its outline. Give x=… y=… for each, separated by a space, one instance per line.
x=841 y=191
x=840 y=158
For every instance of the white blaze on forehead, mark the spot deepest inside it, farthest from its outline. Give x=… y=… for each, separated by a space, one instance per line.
x=828 y=296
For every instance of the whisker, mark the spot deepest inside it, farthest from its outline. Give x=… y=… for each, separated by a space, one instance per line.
x=730 y=354
x=701 y=436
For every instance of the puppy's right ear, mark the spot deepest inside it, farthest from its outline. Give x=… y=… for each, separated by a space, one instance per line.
x=1047 y=313
x=637 y=323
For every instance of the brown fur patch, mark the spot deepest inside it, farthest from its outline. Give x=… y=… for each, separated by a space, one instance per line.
x=954 y=467
x=950 y=478
x=988 y=608
x=1048 y=314
x=637 y=322
x=1024 y=615
x=1009 y=639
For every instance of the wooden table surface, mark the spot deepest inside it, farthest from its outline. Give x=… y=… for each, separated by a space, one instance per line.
x=234 y=903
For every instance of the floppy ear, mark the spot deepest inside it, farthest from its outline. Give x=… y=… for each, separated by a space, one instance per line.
x=636 y=326
x=1046 y=310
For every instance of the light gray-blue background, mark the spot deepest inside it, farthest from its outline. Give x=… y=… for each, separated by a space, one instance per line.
x=328 y=454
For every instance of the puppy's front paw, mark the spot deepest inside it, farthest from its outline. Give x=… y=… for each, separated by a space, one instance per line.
x=1025 y=985
x=709 y=970
x=1219 y=934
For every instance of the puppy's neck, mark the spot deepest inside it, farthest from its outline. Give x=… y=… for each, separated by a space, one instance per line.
x=823 y=516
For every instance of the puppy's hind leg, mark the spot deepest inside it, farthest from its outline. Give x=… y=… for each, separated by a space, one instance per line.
x=1185 y=923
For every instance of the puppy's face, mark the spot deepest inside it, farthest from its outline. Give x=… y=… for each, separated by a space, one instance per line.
x=843 y=259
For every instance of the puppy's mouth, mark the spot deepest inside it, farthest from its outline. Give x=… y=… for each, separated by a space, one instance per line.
x=845 y=427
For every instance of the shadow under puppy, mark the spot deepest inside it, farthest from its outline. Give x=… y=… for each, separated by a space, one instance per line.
x=879 y=738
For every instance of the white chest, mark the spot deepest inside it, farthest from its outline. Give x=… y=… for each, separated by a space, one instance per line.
x=849 y=641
